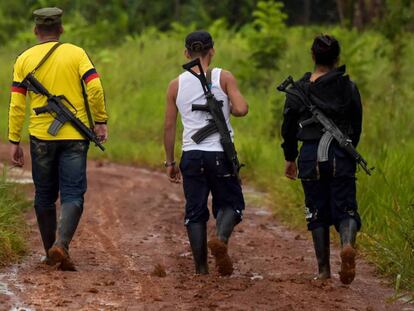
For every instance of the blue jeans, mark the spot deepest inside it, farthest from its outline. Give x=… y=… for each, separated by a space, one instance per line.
x=58 y=166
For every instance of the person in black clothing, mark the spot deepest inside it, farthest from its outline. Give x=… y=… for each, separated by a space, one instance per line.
x=328 y=182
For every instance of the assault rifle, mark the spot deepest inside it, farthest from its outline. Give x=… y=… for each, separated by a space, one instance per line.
x=329 y=127
x=217 y=124
x=55 y=106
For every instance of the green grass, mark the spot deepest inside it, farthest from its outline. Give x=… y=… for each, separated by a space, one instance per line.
x=12 y=224
x=136 y=75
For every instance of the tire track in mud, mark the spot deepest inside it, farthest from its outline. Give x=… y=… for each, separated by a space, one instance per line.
x=133 y=219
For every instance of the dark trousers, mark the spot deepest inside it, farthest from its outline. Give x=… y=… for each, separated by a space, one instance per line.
x=329 y=187
x=58 y=167
x=204 y=172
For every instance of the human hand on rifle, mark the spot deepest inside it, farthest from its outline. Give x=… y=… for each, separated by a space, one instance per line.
x=291 y=170
x=101 y=131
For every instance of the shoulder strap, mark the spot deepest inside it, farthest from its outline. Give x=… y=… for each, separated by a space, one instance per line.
x=46 y=57
x=208 y=76
x=87 y=107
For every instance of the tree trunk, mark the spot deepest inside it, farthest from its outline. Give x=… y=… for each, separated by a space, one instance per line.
x=177 y=9
x=376 y=9
x=361 y=15
x=341 y=13
x=307 y=12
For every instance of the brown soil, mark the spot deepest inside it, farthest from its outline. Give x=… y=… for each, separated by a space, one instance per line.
x=133 y=220
x=159 y=270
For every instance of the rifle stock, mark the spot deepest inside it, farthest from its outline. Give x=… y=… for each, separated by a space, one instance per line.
x=191 y=64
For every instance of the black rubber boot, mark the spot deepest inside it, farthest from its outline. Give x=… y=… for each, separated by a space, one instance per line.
x=46 y=219
x=197 y=235
x=320 y=238
x=348 y=229
x=69 y=219
x=227 y=219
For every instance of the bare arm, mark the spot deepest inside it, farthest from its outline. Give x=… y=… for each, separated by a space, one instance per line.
x=239 y=107
x=170 y=124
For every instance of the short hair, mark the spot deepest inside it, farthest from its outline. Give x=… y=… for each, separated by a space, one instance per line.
x=199 y=43
x=53 y=29
x=202 y=53
x=326 y=50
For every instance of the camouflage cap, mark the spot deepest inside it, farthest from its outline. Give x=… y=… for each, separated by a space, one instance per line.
x=47 y=16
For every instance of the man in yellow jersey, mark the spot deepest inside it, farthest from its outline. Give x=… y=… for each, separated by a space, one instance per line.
x=58 y=162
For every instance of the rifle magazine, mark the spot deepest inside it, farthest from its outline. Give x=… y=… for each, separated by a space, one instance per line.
x=204 y=132
x=55 y=127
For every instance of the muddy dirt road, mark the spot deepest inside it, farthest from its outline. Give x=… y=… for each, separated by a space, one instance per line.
x=133 y=220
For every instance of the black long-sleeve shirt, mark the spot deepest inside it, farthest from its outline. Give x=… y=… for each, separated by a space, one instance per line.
x=342 y=103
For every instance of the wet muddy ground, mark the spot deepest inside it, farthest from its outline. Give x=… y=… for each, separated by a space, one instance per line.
x=133 y=222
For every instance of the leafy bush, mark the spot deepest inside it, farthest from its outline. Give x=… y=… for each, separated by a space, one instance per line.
x=268 y=37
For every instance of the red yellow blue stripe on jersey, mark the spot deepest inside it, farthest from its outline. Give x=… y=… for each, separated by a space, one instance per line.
x=17 y=87
x=90 y=75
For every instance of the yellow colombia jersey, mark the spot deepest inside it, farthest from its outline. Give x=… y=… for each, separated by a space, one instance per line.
x=61 y=74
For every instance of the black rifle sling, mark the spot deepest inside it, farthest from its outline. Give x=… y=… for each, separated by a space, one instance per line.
x=87 y=107
x=46 y=57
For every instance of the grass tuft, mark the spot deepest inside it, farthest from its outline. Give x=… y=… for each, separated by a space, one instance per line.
x=13 y=228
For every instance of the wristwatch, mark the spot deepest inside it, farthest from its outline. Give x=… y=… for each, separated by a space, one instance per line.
x=168 y=164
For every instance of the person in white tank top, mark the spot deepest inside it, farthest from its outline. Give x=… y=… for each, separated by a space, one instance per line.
x=189 y=93
x=204 y=167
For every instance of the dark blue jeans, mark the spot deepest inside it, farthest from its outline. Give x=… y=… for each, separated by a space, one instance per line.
x=58 y=167
x=204 y=172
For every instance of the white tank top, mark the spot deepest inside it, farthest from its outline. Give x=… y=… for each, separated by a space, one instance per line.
x=190 y=92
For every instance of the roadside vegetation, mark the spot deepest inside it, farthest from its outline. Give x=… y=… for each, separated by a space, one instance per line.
x=12 y=224
x=261 y=54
